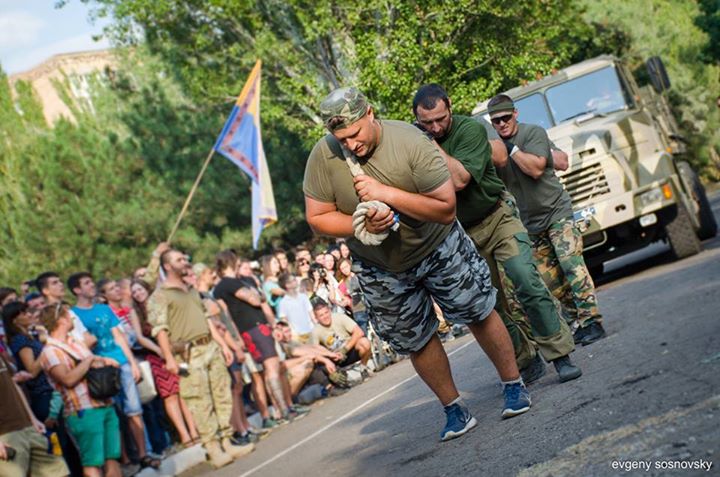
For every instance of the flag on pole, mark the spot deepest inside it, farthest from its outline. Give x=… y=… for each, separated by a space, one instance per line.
x=240 y=141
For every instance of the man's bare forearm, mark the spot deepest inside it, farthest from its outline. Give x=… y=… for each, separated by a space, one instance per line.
x=334 y=224
x=530 y=164
x=164 y=342
x=422 y=207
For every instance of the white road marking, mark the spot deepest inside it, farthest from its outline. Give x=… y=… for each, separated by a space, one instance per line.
x=340 y=419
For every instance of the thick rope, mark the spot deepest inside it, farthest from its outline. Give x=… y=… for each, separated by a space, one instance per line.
x=362 y=208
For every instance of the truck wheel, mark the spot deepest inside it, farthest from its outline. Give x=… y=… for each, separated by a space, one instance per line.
x=683 y=240
x=706 y=218
x=708 y=226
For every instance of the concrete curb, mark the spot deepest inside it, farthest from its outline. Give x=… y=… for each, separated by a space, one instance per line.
x=177 y=463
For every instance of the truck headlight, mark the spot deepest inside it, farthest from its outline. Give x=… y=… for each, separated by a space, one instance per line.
x=653 y=196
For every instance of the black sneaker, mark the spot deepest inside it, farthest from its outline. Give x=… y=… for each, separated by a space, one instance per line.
x=533 y=371
x=593 y=332
x=579 y=335
x=566 y=370
x=239 y=439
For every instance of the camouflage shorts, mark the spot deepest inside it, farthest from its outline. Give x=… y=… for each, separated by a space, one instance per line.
x=400 y=304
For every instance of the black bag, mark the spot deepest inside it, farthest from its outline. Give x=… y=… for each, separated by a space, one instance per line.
x=103 y=383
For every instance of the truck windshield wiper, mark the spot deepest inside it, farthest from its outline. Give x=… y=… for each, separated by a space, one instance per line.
x=582 y=113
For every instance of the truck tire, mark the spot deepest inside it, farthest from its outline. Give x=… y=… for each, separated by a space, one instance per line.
x=706 y=218
x=708 y=225
x=683 y=240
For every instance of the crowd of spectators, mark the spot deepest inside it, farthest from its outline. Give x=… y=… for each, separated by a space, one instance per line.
x=287 y=334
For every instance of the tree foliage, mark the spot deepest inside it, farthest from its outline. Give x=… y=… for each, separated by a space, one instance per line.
x=388 y=49
x=70 y=196
x=671 y=33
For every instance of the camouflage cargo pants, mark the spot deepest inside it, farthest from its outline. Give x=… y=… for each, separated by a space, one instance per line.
x=502 y=240
x=206 y=391
x=558 y=253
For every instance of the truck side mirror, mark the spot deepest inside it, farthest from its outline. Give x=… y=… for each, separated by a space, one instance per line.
x=658 y=75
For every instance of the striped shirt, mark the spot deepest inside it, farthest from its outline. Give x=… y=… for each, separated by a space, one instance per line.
x=54 y=354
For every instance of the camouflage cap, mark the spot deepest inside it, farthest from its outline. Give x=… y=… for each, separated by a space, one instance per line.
x=501 y=108
x=343 y=107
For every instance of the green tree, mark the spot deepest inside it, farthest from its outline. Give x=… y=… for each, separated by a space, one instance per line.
x=474 y=47
x=70 y=196
x=671 y=33
x=709 y=21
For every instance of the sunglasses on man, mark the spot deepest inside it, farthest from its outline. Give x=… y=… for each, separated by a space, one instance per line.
x=502 y=119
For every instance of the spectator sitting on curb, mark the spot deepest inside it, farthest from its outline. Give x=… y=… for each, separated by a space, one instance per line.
x=311 y=370
x=339 y=333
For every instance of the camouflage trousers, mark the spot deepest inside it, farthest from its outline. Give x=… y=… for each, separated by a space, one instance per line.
x=558 y=254
x=400 y=304
x=206 y=391
x=502 y=240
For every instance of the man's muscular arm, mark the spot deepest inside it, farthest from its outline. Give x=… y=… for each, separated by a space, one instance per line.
x=499 y=153
x=458 y=174
x=530 y=164
x=560 y=160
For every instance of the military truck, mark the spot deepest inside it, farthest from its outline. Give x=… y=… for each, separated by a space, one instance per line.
x=628 y=176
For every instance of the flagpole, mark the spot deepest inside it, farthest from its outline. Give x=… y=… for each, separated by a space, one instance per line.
x=190 y=195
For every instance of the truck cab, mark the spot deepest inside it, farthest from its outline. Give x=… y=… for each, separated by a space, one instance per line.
x=627 y=179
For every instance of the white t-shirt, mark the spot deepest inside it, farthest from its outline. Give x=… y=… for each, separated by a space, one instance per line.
x=297 y=310
x=79 y=329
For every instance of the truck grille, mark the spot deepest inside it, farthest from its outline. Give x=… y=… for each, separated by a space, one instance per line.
x=586 y=183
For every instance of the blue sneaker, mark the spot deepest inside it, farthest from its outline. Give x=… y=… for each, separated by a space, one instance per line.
x=459 y=421
x=517 y=400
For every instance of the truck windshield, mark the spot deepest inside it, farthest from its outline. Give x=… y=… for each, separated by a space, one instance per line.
x=533 y=110
x=599 y=92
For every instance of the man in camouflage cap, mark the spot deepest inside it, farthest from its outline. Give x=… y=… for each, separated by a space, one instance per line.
x=546 y=211
x=428 y=257
x=343 y=107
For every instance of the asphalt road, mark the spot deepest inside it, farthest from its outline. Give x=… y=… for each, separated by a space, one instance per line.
x=649 y=396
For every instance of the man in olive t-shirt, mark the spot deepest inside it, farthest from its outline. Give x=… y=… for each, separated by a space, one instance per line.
x=498 y=234
x=546 y=211
x=339 y=333
x=428 y=256
x=177 y=315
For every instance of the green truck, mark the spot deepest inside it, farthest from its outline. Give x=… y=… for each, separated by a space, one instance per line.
x=628 y=176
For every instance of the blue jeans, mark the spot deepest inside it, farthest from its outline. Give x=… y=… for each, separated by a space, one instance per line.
x=362 y=318
x=128 y=399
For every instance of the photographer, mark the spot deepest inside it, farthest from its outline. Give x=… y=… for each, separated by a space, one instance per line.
x=322 y=286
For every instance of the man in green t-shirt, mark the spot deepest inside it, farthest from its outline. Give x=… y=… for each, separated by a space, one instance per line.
x=427 y=256
x=546 y=211
x=498 y=234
